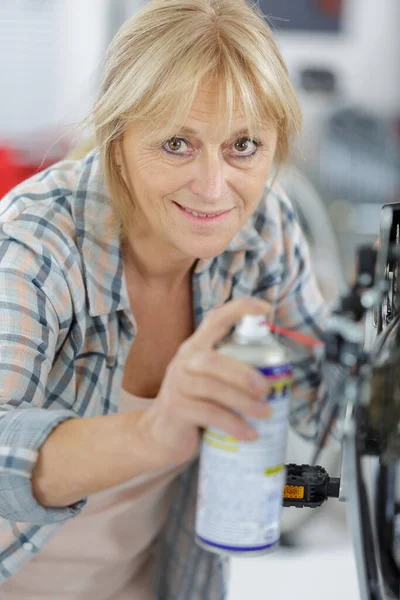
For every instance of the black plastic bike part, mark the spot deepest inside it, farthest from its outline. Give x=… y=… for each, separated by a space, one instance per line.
x=308 y=486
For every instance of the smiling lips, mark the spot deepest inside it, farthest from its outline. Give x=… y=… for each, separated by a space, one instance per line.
x=202 y=216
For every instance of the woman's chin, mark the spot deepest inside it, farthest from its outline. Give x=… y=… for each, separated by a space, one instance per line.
x=206 y=250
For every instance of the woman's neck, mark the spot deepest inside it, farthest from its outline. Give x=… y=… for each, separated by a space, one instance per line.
x=152 y=265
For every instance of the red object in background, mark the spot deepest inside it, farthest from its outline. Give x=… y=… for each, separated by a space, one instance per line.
x=9 y=176
x=331 y=8
x=13 y=170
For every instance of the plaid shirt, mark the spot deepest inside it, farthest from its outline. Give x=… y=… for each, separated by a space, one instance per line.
x=66 y=327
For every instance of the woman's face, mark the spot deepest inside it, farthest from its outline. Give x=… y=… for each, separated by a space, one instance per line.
x=194 y=192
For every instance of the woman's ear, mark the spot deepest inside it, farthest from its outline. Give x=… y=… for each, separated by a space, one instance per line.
x=120 y=163
x=118 y=157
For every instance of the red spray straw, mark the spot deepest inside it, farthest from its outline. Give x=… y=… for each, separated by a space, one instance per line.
x=294 y=335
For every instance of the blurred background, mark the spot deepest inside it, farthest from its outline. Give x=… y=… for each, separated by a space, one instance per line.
x=343 y=57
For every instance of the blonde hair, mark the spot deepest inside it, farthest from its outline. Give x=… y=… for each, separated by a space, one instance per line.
x=157 y=61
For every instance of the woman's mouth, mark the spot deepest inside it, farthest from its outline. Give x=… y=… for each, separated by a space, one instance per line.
x=203 y=218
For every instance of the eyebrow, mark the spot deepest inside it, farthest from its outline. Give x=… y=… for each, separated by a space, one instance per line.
x=185 y=130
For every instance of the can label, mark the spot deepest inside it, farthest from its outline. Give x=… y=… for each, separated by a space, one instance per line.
x=241 y=483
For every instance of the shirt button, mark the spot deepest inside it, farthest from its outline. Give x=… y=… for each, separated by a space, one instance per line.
x=27 y=546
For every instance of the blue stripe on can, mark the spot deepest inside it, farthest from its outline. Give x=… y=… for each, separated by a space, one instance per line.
x=278 y=370
x=237 y=548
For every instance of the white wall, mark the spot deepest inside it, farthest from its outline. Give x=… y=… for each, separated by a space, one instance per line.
x=50 y=52
x=31 y=45
x=366 y=54
x=86 y=39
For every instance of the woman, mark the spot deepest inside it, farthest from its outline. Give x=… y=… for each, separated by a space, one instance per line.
x=109 y=268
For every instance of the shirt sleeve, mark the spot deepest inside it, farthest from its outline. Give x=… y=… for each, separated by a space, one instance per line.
x=29 y=340
x=298 y=306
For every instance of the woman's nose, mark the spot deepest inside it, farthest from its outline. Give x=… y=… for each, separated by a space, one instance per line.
x=209 y=179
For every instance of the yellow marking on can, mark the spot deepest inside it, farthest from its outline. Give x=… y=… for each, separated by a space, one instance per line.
x=281 y=383
x=273 y=470
x=220 y=445
x=293 y=491
x=221 y=436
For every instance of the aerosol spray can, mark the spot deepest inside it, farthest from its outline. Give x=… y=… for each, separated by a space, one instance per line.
x=241 y=483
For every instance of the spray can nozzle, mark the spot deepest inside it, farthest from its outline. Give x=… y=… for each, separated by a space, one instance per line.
x=253 y=326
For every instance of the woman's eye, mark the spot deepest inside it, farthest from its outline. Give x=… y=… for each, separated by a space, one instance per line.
x=246 y=147
x=174 y=145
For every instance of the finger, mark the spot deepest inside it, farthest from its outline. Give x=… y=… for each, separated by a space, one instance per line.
x=224 y=394
x=219 y=321
x=228 y=371
x=207 y=414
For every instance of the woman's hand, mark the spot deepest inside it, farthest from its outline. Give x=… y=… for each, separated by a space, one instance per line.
x=203 y=388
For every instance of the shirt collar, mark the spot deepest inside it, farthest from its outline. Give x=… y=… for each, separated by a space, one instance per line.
x=98 y=243
x=101 y=248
